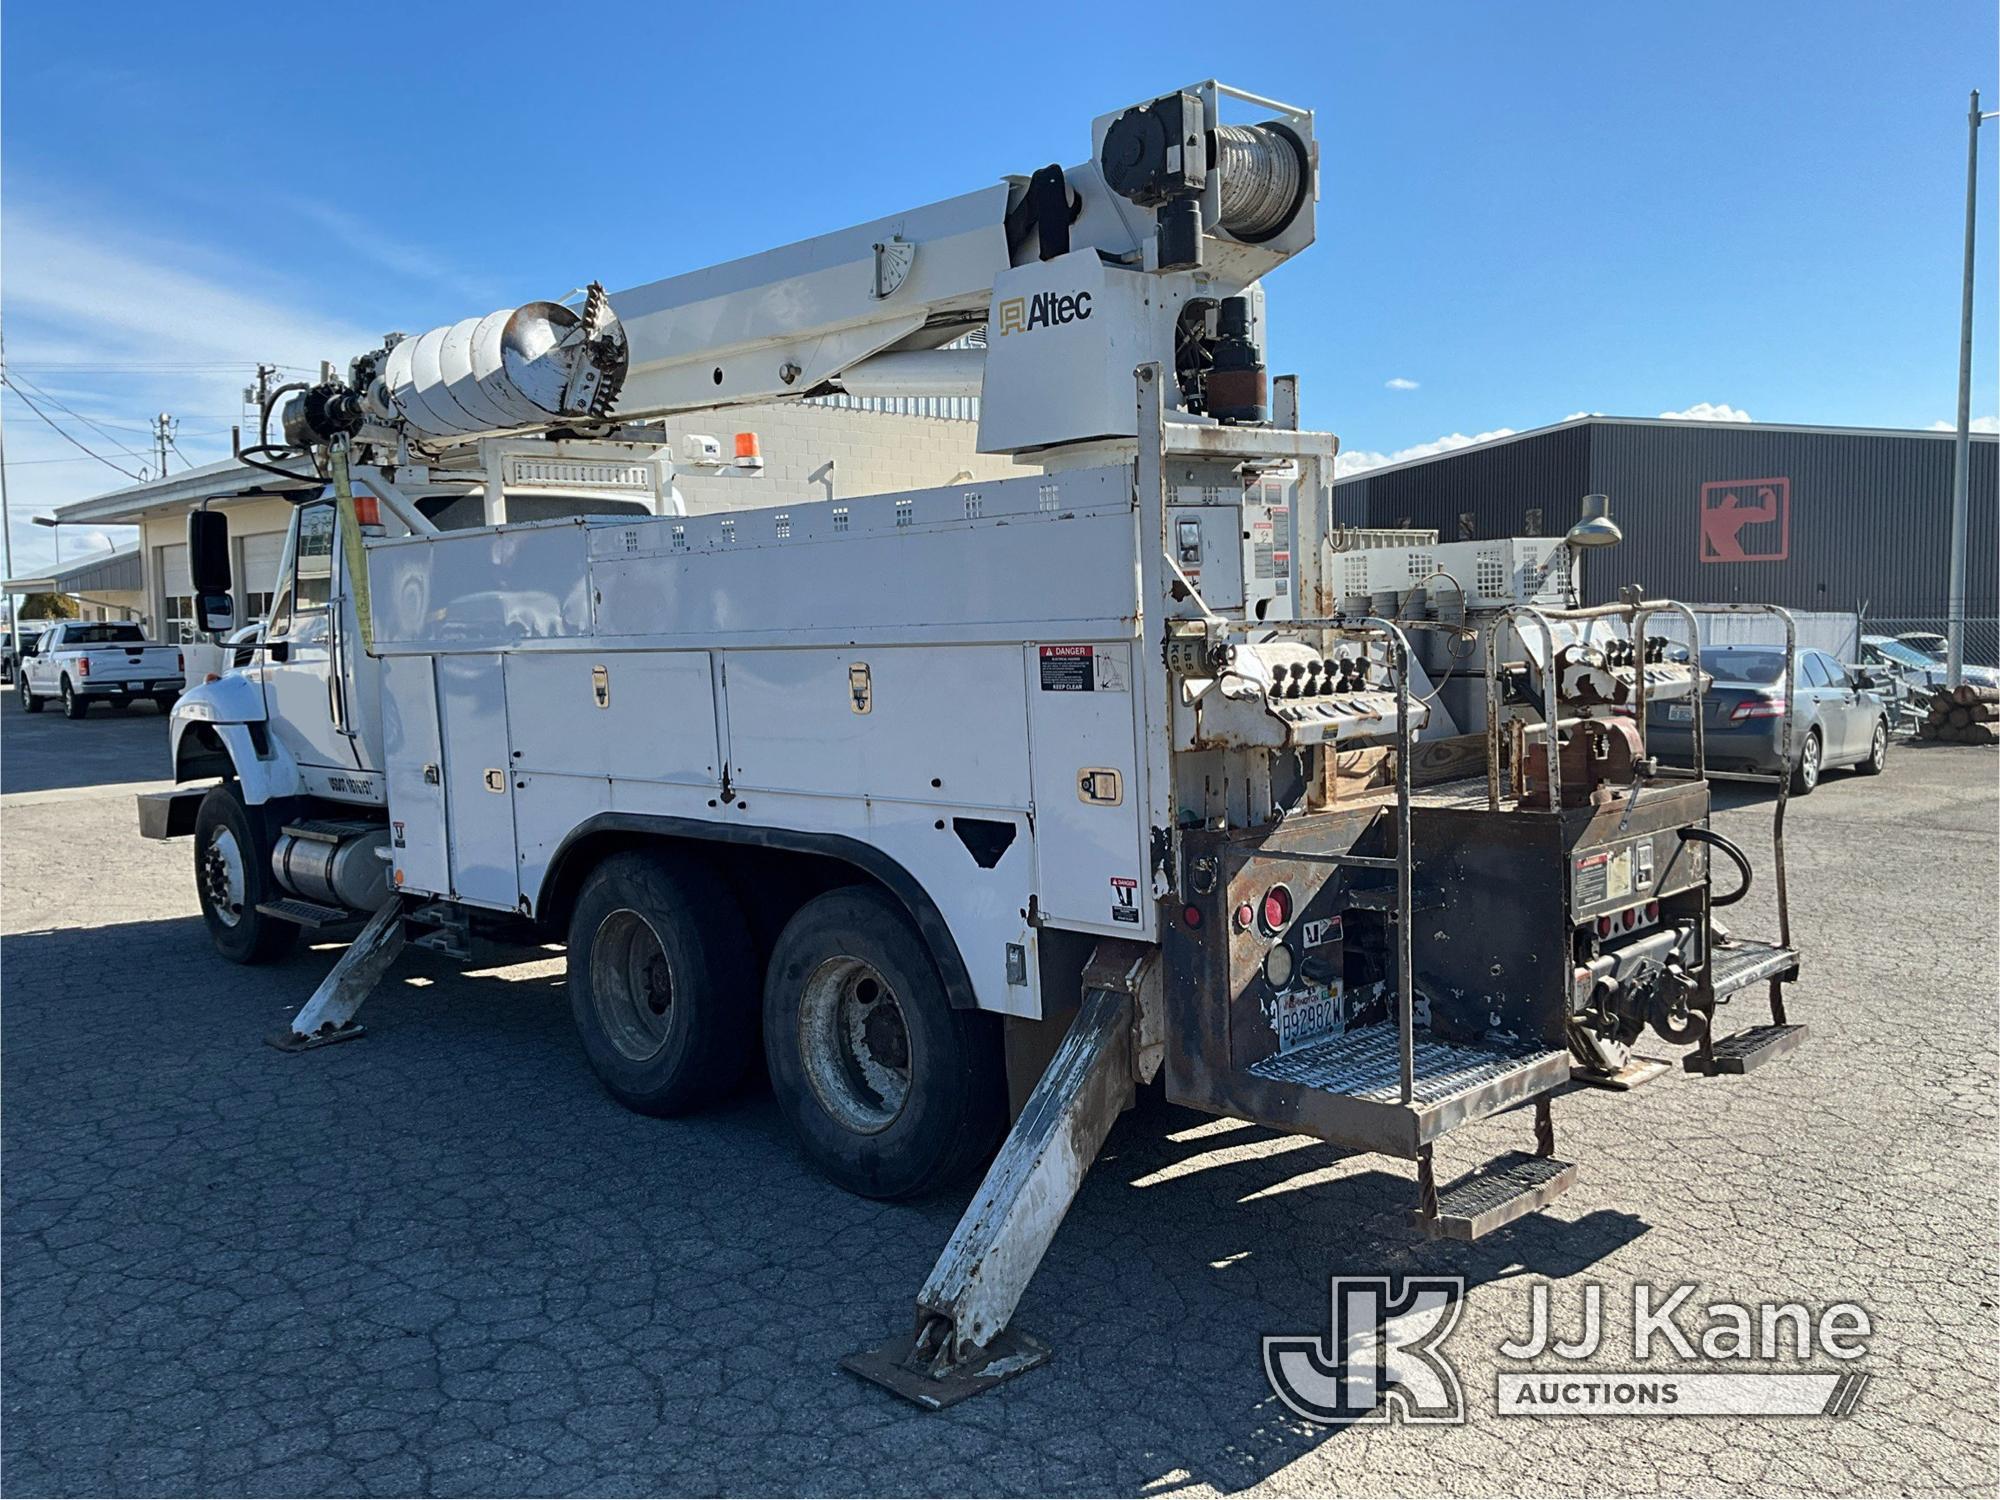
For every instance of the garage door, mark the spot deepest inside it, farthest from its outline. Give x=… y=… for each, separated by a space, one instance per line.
x=261 y=552
x=174 y=570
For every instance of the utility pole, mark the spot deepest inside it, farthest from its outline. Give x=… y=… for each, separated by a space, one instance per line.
x=7 y=536
x=1961 y=459
x=163 y=434
x=255 y=396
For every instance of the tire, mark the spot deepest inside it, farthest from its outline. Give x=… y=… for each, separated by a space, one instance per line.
x=29 y=702
x=874 y=1127
x=1806 y=773
x=1878 y=751
x=232 y=874
x=661 y=983
x=75 y=706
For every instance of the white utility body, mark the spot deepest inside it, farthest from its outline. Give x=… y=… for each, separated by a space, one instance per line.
x=995 y=800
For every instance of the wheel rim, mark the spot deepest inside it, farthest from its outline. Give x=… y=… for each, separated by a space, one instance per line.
x=855 y=1043
x=1879 y=752
x=69 y=696
x=222 y=877
x=1809 y=763
x=632 y=985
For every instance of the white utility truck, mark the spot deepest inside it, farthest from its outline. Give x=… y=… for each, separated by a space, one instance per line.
x=81 y=662
x=979 y=803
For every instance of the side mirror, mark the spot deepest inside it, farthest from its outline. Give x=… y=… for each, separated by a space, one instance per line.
x=208 y=571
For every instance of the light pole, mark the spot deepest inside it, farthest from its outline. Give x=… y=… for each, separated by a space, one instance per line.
x=56 y=526
x=1961 y=458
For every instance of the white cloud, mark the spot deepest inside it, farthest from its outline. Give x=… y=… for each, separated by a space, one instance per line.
x=1360 y=461
x=115 y=322
x=1979 y=424
x=1708 y=411
x=1400 y=383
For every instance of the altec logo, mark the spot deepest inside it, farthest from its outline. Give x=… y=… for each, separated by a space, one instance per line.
x=1043 y=310
x=1760 y=507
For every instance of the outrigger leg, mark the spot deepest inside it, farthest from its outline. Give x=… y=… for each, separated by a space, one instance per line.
x=962 y=1343
x=328 y=1017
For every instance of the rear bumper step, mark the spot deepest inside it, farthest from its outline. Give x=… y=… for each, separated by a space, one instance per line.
x=1746 y=962
x=1505 y=1189
x=1745 y=1051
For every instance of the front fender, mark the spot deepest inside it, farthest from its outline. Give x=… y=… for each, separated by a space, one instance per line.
x=210 y=733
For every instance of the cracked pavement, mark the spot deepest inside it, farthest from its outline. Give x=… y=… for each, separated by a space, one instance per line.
x=440 y=1260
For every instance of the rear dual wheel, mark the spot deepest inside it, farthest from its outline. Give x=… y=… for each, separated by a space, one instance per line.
x=661 y=984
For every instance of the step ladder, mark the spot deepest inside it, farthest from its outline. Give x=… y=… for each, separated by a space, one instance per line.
x=1734 y=967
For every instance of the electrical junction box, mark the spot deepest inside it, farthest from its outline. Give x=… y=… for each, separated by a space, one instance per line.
x=1234 y=547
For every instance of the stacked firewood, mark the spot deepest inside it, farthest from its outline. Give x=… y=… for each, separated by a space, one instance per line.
x=1965 y=715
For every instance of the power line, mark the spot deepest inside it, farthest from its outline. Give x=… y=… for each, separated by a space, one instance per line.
x=8 y=381
x=56 y=402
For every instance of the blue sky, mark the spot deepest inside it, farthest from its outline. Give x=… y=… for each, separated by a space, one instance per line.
x=1528 y=210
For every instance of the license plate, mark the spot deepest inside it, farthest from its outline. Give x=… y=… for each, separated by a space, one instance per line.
x=1307 y=1014
x=1681 y=711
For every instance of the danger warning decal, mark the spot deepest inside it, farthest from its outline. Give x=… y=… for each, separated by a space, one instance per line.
x=1081 y=669
x=1124 y=899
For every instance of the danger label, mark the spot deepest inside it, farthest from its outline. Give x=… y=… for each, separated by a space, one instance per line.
x=1069 y=669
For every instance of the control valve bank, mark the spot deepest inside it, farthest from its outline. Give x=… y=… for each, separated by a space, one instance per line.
x=980 y=806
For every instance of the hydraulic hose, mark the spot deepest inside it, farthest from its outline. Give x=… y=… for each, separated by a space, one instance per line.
x=1736 y=857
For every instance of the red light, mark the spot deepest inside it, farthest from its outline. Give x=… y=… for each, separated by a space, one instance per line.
x=83 y=666
x=1652 y=911
x=1604 y=927
x=181 y=660
x=367 y=509
x=1277 y=908
x=1244 y=917
x=1759 y=708
x=1192 y=916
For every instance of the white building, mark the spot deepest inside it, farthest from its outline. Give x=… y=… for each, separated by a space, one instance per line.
x=813 y=450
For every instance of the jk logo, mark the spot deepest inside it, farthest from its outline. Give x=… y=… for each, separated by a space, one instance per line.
x=1380 y=1355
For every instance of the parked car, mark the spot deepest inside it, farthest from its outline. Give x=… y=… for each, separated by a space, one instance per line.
x=1920 y=651
x=106 y=661
x=1838 y=717
x=29 y=633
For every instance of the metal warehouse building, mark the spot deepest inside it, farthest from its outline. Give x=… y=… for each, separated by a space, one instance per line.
x=1812 y=518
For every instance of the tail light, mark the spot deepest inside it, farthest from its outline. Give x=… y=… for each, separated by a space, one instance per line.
x=1277 y=910
x=180 y=661
x=1759 y=708
x=83 y=666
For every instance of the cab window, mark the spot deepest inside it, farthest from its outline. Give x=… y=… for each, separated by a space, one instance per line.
x=305 y=572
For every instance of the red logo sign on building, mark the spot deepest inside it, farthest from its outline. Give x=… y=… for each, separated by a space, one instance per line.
x=1746 y=520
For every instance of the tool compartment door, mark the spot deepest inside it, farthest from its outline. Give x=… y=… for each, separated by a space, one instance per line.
x=1090 y=848
x=478 y=780
x=411 y=749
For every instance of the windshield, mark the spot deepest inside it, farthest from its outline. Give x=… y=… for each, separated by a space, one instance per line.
x=1744 y=663
x=1901 y=654
x=104 y=635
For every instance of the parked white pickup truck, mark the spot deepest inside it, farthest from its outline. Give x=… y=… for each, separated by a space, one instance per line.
x=82 y=661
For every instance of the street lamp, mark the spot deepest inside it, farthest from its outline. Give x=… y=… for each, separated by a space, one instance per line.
x=1961 y=458
x=56 y=526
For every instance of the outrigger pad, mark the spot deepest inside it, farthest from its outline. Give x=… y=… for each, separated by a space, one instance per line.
x=1010 y=1353
x=287 y=1040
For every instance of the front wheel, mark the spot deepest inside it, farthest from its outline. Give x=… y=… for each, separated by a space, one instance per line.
x=1878 y=751
x=660 y=982
x=1805 y=775
x=891 y=1091
x=232 y=874
x=75 y=705
x=29 y=702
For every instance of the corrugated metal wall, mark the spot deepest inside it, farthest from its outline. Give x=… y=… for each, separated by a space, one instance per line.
x=1854 y=518
x=1497 y=486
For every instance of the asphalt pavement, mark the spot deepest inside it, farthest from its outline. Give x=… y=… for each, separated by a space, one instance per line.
x=440 y=1260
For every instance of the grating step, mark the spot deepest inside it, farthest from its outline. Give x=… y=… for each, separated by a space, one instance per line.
x=1745 y=1051
x=308 y=914
x=328 y=830
x=1746 y=962
x=1505 y=1189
